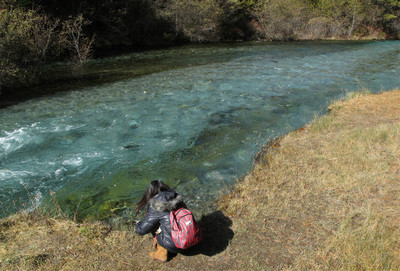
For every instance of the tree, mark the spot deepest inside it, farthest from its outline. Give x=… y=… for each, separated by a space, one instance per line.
x=347 y=15
x=391 y=16
x=76 y=42
x=235 y=19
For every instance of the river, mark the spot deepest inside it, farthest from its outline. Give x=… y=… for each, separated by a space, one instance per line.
x=192 y=116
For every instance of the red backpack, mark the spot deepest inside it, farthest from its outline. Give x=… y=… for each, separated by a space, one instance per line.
x=184 y=229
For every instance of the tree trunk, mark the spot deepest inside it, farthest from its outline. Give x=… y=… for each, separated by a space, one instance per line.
x=354 y=19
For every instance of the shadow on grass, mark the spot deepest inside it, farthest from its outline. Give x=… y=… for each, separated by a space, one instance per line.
x=216 y=235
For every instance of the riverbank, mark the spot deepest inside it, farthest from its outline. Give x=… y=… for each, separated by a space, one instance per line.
x=58 y=77
x=322 y=197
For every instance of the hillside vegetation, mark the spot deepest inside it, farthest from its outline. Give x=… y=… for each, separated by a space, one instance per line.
x=325 y=197
x=36 y=33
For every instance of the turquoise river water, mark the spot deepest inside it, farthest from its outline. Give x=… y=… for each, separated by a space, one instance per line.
x=192 y=116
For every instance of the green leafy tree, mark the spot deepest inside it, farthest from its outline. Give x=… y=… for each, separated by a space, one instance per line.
x=391 y=16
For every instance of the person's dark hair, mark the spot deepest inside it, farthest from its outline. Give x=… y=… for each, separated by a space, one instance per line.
x=154 y=188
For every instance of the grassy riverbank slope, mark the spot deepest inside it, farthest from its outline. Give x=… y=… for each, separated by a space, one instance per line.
x=322 y=197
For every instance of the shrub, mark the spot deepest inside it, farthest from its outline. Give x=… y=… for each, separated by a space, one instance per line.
x=193 y=20
x=322 y=27
x=75 y=41
x=281 y=19
x=15 y=28
x=29 y=39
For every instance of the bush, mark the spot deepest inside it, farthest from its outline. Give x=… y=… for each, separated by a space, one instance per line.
x=322 y=27
x=281 y=19
x=15 y=27
x=29 y=39
x=193 y=20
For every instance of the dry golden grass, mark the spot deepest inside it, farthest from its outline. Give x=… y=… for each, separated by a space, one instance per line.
x=325 y=197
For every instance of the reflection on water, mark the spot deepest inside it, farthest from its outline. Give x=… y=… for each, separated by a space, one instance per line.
x=195 y=119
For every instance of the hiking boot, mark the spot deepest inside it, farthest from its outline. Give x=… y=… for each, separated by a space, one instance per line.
x=161 y=254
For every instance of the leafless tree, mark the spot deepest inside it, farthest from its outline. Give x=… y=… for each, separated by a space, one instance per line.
x=79 y=45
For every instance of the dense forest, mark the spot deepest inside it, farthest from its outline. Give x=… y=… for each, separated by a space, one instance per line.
x=37 y=32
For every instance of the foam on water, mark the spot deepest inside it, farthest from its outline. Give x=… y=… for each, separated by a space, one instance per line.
x=197 y=125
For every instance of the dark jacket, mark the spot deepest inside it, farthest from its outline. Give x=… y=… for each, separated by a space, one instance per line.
x=159 y=208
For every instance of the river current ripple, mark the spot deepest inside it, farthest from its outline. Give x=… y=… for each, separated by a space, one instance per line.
x=196 y=122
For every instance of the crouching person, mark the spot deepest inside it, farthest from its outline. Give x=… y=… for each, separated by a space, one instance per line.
x=168 y=220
